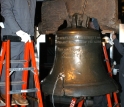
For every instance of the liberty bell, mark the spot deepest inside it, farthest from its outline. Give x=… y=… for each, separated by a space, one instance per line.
x=79 y=68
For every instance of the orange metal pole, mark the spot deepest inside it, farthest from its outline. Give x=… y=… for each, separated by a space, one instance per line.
x=2 y=57
x=6 y=53
x=7 y=85
x=109 y=100
x=110 y=72
x=80 y=104
x=107 y=60
x=29 y=51
x=36 y=75
x=3 y=51
x=116 y=100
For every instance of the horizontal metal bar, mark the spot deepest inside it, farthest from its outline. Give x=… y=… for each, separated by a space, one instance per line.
x=18 y=61
x=24 y=91
x=13 y=83
x=14 y=61
x=21 y=69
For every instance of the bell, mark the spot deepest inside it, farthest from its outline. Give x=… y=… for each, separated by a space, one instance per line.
x=78 y=69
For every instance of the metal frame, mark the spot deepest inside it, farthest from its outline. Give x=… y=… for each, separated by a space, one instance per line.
x=28 y=55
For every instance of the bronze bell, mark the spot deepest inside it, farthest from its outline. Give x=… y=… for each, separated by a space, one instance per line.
x=78 y=69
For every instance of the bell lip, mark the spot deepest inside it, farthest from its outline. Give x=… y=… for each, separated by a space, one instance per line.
x=78 y=91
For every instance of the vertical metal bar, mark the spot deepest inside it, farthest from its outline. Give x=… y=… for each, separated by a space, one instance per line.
x=80 y=104
x=6 y=53
x=109 y=100
x=107 y=60
x=36 y=76
x=110 y=73
x=116 y=99
x=7 y=85
x=2 y=57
